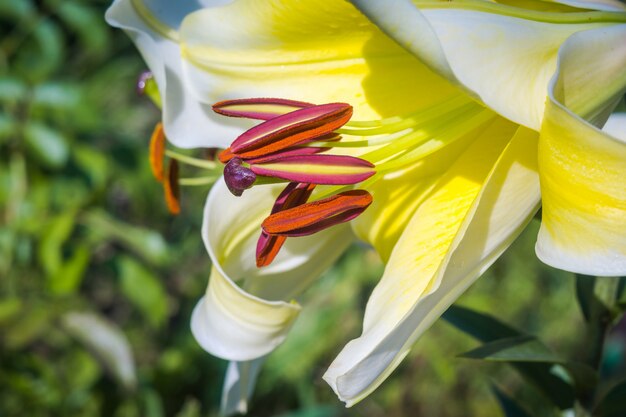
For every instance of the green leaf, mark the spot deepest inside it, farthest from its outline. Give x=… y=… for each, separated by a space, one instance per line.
x=144 y=290
x=613 y=404
x=94 y=163
x=191 y=408
x=621 y=294
x=528 y=348
x=8 y=126
x=48 y=145
x=317 y=411
x=584 y=294
x=106 y=341
x=514 y=349
x=57 y=95
x=146 y=243
x=510 y=407
x=153 y=406
x=42 y=53
x=9 y=308
x=87 y=23
x=489 y=329
x=69 y=277
x=12 y=90
x=481 y=326
x=17 y=9
x=28 y=327
x=50 y=246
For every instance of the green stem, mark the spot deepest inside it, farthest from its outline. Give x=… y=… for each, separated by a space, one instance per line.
x=602 y=314
x=605 y=292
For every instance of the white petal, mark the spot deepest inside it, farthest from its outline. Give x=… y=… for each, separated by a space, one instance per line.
x=582 y=168
x=247 y=311
x=505 y=61
x=591 y=79
x=506 y=204
x=616 y=126
x=236 y=326
x=188 y=123
x=239 y=385
x=271 y=49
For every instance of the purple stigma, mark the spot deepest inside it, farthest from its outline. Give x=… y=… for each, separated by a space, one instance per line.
x=237 y=177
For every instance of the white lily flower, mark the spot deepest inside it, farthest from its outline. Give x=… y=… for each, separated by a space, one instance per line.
x=500 y=112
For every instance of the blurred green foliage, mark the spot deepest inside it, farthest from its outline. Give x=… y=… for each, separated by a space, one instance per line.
x=97 y=280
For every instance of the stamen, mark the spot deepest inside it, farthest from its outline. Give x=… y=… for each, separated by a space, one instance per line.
x=237 y=177
x=316 y=216
x=258 y=108
x=226 y=155
x=171 y=189
x=268 y=246
x=317 y=169
x=157 y=151
x=296 y=151
x=291 y=129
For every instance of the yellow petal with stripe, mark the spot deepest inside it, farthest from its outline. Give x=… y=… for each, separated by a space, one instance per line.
x=476 y=210
x=503 y=55
x=306 y=50
x=397 y=195
x=583 y=169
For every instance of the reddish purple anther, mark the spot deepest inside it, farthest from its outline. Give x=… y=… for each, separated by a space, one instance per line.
x=258 y=108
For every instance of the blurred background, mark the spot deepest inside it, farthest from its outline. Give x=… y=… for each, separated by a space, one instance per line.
x=97 y=280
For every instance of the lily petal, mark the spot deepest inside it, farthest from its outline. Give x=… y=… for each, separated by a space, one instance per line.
x=281 y=53
x=479 y=211
x=239 y=385
x=248 y=311
x=259 y=310
x=153 y=25
x=477 y=47
x=583 y=169
x=399 y=194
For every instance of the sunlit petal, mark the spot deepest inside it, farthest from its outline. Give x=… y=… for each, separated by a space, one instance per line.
x=188 y=123
x=248 y=311
x=311 y=51
x=478 y=212
x=505 y=60
x=583 y=169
